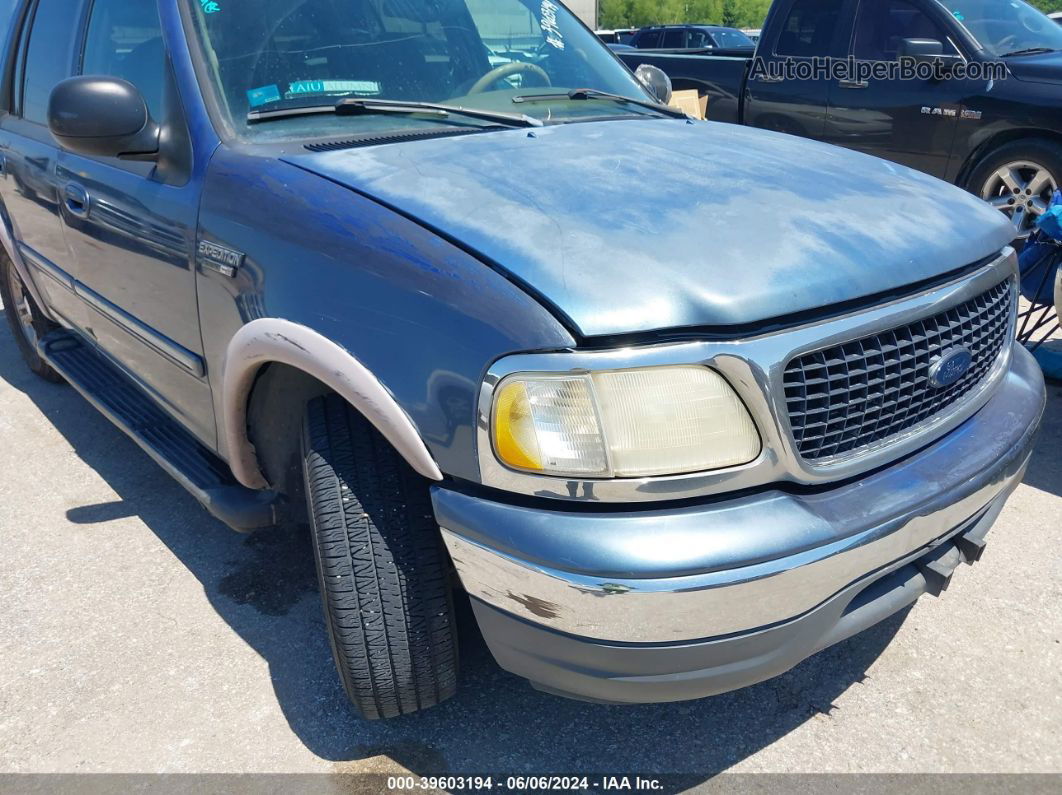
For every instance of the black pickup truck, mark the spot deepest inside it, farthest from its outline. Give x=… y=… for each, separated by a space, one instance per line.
x=999 y=138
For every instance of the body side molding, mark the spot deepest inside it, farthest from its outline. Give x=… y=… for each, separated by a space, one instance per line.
x=269 y=340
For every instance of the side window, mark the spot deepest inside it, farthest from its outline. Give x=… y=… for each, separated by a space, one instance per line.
x=125 y=40
x=881 y=25
x=732 y=38
x=809 y=28
x=674 y=39
x=49 y=55
x=649 y=40
x=699 y=40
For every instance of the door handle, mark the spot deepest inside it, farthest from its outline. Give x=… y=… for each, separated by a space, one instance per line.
x=853 y=84
x=3 y=165
x=77 y=200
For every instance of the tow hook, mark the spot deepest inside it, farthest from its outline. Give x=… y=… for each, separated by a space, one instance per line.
x=938 y=566
x=971 y=548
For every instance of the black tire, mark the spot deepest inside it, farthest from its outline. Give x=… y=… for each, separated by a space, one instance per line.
x=1039 y=151
x=383 y=571
x=40 y=326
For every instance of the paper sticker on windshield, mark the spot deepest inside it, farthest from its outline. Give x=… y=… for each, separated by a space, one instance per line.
x=263 y=95
x=548 y=22
x=299 y=87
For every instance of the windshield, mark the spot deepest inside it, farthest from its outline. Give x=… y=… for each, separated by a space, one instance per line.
x=1006 y=26
x=271 y=54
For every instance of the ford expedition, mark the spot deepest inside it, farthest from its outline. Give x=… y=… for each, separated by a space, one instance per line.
x=376 y=265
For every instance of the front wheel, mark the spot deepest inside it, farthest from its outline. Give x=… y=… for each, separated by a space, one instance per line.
x=1019 y=179
x=383 y=571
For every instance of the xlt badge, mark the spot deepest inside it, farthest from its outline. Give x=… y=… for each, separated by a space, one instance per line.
x=225 y=261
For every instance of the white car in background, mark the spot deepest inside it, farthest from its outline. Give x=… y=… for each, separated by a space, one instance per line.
x=1057 y=17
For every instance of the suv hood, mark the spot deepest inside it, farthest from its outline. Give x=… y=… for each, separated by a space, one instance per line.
x=633 y=226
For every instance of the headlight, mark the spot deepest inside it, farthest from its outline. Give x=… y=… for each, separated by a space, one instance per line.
x=623 y=423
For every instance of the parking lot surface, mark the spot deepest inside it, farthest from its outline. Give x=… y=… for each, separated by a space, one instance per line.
x=139 y=635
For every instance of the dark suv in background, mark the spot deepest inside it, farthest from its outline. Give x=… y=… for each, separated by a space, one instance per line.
x=692 y=37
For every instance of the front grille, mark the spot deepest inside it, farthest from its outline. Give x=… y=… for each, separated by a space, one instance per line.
x=858 y=395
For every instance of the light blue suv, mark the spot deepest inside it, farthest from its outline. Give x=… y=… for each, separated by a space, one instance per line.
x=676 y=404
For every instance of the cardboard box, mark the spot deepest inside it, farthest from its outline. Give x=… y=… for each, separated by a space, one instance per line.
x=691 y=102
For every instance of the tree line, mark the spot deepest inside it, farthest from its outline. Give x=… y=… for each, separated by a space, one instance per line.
x=732 y=13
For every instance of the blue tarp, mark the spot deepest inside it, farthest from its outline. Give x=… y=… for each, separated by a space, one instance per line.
x=1049 y=357
x=1042 y=255
x=1038 y=263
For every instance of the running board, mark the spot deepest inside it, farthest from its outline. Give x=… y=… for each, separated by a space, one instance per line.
x=206 y=476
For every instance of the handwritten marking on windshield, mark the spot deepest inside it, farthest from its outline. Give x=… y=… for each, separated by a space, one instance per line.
x=548 y=23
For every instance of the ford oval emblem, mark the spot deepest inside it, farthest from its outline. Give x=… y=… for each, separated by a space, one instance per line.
x=950 y=367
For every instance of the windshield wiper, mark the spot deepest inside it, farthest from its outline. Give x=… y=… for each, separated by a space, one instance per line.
x=353 y=107
x=593 y=93
x=1029 y=51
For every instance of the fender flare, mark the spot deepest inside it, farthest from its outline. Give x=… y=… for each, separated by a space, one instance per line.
x=272 y=340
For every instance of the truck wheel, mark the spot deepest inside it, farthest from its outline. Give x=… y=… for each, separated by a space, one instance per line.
x=1019 y=179
x=26 y=322
x=381 y=565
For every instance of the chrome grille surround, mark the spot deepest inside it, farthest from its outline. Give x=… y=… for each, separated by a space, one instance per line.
x=853 y=397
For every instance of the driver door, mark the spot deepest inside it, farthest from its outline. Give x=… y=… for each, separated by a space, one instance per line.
x=911 y=122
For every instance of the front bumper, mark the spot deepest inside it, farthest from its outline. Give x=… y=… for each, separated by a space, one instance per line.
x=613 y=604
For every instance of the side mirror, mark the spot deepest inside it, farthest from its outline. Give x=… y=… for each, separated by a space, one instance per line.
x=655 y=79
x=927 y=51
x=102 y=117
x=921 y=50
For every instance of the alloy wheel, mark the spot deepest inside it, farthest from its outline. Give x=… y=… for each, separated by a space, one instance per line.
x=1022 y=191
